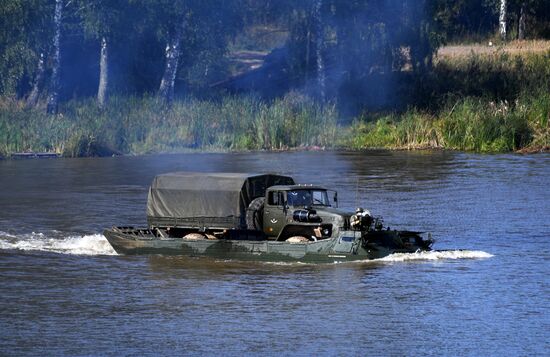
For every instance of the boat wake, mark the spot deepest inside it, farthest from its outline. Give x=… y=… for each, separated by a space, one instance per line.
x=436 y=255
x=57 y=242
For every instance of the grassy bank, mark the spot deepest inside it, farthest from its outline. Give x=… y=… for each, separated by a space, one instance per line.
x=489 y=103
x=143 y=125
x=470 y=124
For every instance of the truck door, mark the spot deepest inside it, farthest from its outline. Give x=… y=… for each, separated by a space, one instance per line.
x=348 y=243
x=274 y=213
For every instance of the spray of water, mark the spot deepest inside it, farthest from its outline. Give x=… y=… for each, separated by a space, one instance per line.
x=436 y=255
x=93 y=244
x=405 y=257
x=97 y=244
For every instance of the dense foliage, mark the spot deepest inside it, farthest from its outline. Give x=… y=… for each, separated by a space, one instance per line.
x=345 y=42
x=473 y=20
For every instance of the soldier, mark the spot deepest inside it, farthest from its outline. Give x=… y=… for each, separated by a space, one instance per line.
x=362 y=219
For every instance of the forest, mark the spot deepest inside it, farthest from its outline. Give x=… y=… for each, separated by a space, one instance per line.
x=108 y=77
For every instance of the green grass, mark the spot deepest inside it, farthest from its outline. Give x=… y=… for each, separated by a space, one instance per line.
x=143 y=125
x=469 y=124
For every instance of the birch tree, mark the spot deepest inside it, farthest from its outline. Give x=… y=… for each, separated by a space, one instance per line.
x=172 y=57
x=194 y=30
x=103 y=73
x=502 y=20
x=53 y=99
x=319 y=45
x=521 y=21
x=171 y=18
x=106 y=21
x=32 y=99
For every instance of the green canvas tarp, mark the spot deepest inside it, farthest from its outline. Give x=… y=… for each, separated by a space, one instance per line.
x=212 y=200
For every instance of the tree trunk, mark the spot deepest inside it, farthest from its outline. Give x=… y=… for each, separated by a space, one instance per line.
x=172 y=54
x=32 y=99
x=308 y=52
x=521 y=24
x=321 y=75
x=502 y=20
x=54 y=86
x=102 y=90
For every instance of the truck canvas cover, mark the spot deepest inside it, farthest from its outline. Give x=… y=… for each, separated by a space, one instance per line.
x=212 y=200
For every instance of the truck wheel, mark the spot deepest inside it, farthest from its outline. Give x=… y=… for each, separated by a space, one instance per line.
x=255 y=213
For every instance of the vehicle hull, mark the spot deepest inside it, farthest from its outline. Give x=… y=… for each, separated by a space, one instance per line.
x=348 y=246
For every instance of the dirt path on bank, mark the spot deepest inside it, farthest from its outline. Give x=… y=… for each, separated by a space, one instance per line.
x=512 y=48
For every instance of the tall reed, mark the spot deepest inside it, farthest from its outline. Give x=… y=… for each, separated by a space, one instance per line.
x=469 y=124
x=144 y=125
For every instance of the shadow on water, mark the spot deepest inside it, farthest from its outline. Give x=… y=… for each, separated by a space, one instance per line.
x=210 y=267
x=396 y=166
x=206 y=267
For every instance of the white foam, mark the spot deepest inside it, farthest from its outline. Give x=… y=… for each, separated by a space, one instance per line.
x=436 y=255
x=93 y=244
x=403 y=257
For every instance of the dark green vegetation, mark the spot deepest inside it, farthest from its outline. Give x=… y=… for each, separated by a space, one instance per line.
x=146 y=125
x=105 y=77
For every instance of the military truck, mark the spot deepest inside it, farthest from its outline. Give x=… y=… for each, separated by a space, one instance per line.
x=256 y=216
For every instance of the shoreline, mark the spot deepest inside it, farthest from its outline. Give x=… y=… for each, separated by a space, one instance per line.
x=53 y=155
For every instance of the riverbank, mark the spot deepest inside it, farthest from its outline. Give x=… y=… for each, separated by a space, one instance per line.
x=470 y=124
x=489 y=103
x=141 y=126
x=131 y=125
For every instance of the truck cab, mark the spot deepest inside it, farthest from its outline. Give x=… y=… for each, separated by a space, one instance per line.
x=301 y=210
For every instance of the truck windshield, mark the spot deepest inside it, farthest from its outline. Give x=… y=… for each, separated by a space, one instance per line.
x=308 y=198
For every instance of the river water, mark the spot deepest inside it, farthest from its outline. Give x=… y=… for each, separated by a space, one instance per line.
x=63 y=290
